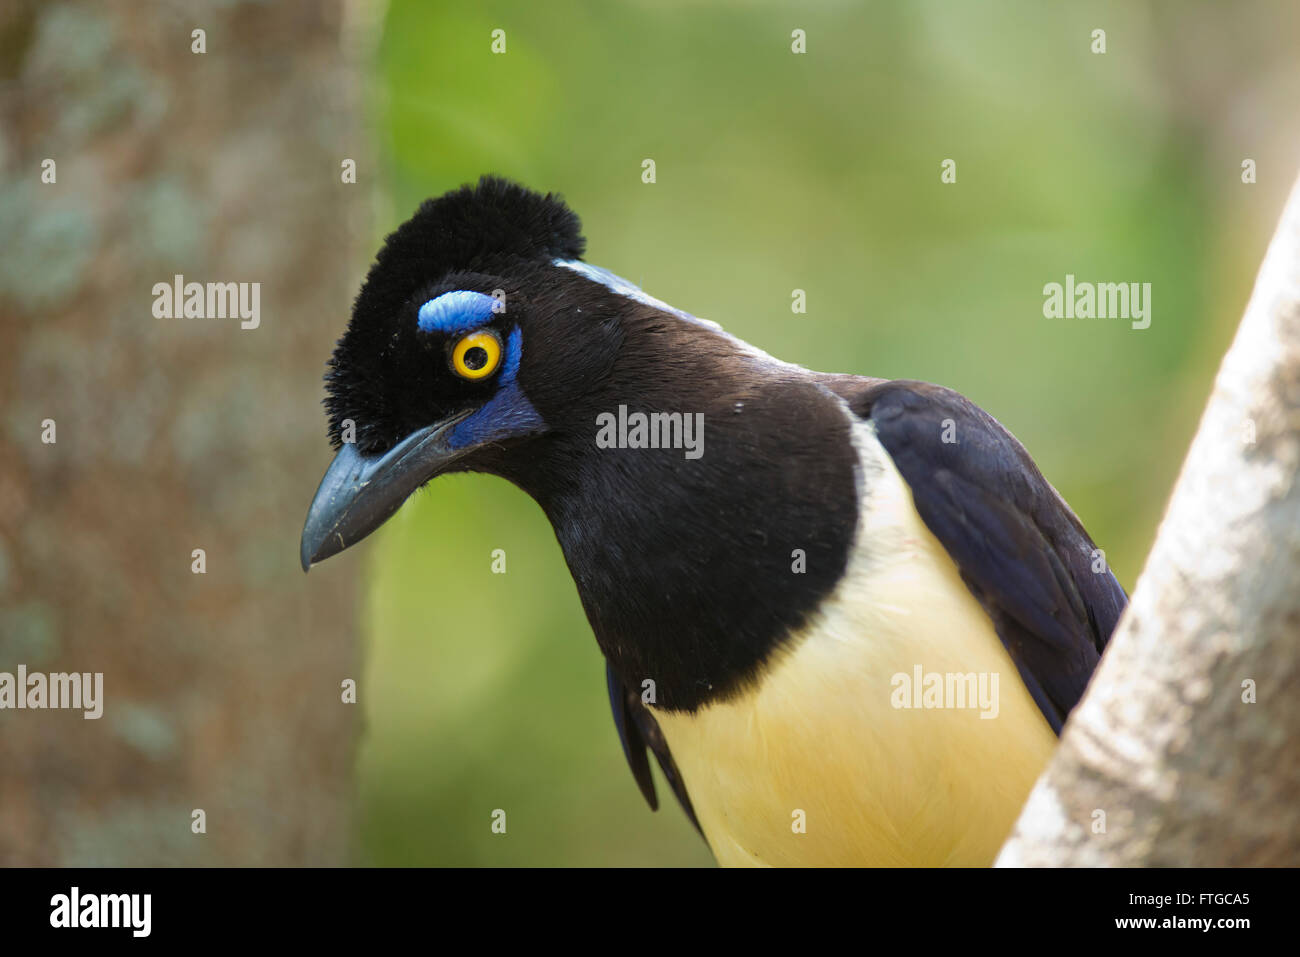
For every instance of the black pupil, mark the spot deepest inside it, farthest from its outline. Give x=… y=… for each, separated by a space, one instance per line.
x=475 y=358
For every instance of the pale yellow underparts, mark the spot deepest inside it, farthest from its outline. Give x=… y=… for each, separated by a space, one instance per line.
x=819 y=734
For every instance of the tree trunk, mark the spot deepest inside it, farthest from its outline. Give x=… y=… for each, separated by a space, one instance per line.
x=221 y=689
x=1186 y=747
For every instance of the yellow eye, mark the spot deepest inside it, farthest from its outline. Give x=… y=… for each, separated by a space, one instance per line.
x=476 y=356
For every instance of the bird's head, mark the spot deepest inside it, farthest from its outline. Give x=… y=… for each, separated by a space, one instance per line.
x=476 y=328
x=481 y=342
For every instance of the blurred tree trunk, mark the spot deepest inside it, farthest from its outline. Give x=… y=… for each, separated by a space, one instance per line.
x=1186 y=746
x=222 y=690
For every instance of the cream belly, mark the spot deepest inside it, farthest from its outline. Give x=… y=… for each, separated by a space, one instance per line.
x=819 y=733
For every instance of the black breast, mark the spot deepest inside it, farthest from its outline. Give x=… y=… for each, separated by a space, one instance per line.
x=694 y=571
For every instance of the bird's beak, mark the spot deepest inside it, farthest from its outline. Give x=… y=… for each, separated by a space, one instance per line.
x=359 y=493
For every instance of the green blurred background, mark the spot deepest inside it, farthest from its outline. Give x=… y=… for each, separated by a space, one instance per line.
x=820 y=172
x=776 y=171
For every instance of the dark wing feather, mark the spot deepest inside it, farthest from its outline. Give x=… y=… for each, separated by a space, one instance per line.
x=1020 y=549
x=637 y=730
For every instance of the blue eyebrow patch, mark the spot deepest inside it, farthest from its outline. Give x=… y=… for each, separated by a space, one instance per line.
x=456 y=312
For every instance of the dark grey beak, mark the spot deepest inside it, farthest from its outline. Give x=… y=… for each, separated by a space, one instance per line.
x=359 y=493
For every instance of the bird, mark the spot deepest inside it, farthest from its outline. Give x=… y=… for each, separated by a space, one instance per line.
x=846 y=616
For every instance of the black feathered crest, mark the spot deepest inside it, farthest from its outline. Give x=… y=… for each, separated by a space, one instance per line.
x=495 y=228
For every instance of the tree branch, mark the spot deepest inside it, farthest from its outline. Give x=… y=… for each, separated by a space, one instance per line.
x=1186 y=747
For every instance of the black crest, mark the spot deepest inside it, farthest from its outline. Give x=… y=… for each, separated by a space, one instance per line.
x=474 y=225
x=463 y=239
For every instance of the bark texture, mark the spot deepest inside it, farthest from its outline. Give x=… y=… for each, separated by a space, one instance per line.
x=222 y=690
x=1186 y=747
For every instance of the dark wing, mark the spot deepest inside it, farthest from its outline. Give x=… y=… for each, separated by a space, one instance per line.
x=1020 y=549
x=638 y=730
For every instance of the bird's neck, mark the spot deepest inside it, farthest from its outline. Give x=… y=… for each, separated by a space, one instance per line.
x=694 y=569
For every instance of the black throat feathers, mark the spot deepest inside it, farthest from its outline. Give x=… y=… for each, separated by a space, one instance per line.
x=695 y=571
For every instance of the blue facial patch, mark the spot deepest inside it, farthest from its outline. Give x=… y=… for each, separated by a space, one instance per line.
x=457 y=312
x=508 y=413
